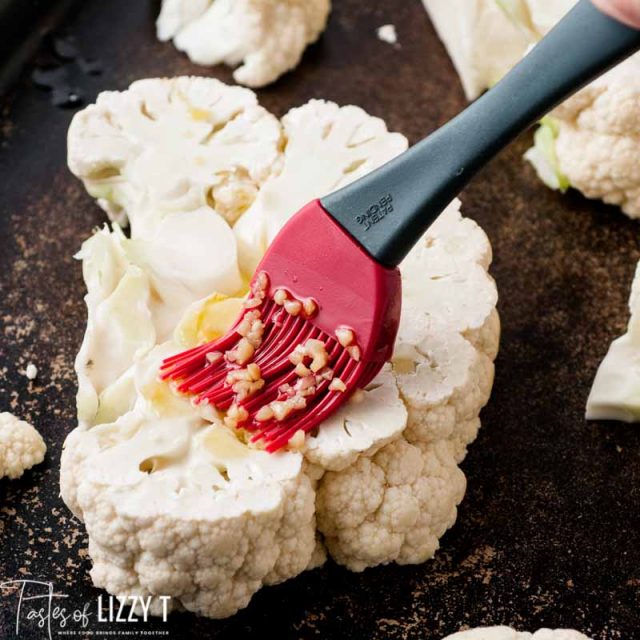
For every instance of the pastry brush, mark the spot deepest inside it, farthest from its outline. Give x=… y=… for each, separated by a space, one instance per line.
x=324 y=304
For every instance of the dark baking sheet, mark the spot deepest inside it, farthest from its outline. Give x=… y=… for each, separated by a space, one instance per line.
x=549 y=532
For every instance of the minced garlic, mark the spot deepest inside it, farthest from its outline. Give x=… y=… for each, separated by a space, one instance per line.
x=345 y=337
x=337 y=385
x=235 y=416
x=296 y=443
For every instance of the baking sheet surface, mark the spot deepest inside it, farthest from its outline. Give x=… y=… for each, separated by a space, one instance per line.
x=549 y=532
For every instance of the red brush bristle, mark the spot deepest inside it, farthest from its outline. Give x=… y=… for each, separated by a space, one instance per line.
x=207 y=371
x=354 y=323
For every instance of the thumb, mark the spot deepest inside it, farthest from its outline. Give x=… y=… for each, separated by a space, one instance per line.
x=627 y=11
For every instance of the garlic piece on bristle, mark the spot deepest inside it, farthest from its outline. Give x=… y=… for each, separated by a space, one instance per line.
x=354 y=352
x=293 y=307
x=345 y=337
x=280 y=297
x=309 y=306
x=296 y=443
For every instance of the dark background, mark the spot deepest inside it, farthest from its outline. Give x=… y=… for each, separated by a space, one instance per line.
x=549 y=532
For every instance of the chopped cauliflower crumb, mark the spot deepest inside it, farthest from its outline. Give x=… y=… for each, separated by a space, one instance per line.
x=31 y=371
x=21 y=446
x=387 y=33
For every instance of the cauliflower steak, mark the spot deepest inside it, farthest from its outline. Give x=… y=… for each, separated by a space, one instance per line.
x=175 y=501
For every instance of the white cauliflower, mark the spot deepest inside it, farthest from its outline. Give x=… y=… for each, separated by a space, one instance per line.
x=486 y=38
x=177 y=504
x=505 y=633
x=21 y=446
x=615 y=394
x=266 y=37
x=480 y=39
x=592 y=141
x=173 y=145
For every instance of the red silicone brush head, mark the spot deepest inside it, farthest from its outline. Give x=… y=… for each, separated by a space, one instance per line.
x=319 y=323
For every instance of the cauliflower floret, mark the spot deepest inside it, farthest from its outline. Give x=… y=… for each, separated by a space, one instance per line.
x=177 y=503
x=505 y=633
x=392 y=507
x=173 y=145
x=266 y=37
x=480 y=38
x=615 y=394
x=592 y=141
x=21 y=446
x=486 y=38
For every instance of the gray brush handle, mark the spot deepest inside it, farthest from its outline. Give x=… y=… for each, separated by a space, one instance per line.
x=388 y=210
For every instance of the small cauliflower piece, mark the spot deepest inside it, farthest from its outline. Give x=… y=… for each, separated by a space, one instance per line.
x=21 y=446
x=173 y=145
x=506 y=633
x=480 y=38
x=592 y=141
x=266 y=37
x=615 y=394
x=327 y=147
